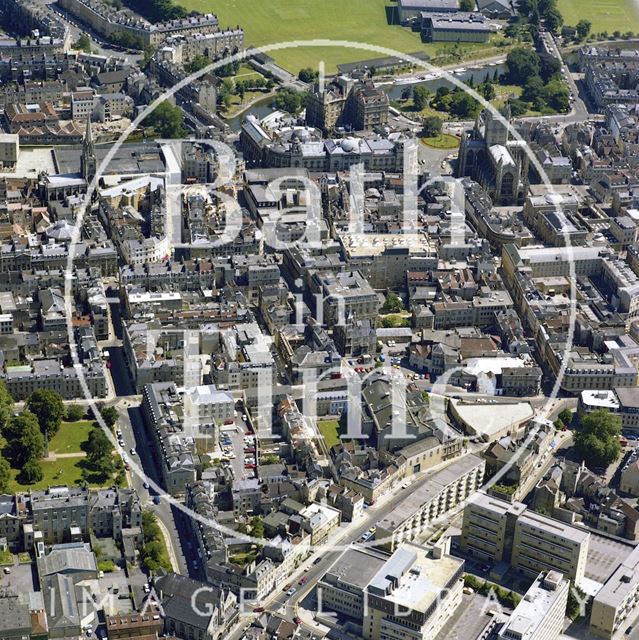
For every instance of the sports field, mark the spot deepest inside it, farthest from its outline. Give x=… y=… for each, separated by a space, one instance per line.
x=273 y=21
x=605 y=15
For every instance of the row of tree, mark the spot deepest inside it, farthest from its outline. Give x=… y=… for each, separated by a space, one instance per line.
x=156 y=10
x=154 y=553
x=543 y=87
x=25 y=435
x=536 y=11
x=227 y=88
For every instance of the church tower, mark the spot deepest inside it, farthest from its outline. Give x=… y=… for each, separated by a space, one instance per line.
x=496 y=130
x=88 y=161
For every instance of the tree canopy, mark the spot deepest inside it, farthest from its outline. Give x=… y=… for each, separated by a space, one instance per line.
x=157 y=10
x=420 y=97
x=393 y=303
x=289 y=100
x=5 y=475
x=75 y=412
x=463 y=105
x=48 y=407
x=6 y=406
x=31 y=472
x=83 y=43
x=308 y=75
x=522 y=64
x=565 y=416
x=154 y=553
x=432 y=126
x=167 y=120
x=197 y=63
x=554 y=19
x=99 y=452
x=109 y=415
x=597 y=440
x=583 y=28
x=24 y=439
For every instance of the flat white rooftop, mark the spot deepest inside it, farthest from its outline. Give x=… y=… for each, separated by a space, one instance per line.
x=490 y=420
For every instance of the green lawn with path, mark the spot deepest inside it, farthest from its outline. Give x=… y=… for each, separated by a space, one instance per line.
x=605 y=15
x=70 y=436
x=330 y=432
x=365 y=21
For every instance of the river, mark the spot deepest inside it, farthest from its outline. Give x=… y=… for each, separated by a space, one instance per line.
x=478 y=74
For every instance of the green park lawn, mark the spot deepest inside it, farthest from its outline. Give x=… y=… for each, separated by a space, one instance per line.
x=442 y=141
x=70 y=436
x=64 y=470
x=330 y=432
x=246 y=72
x=605 y=15
x=365 y=21
x=56 y=472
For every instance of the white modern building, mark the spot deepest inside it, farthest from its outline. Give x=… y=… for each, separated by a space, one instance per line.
x=540 y=614
x=413 y=595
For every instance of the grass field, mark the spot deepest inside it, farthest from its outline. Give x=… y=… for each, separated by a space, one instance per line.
x=70 y=437
x=605 y=15
x=273 y=21
x=443 y=141
x=330 y=431
x=63 y=471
